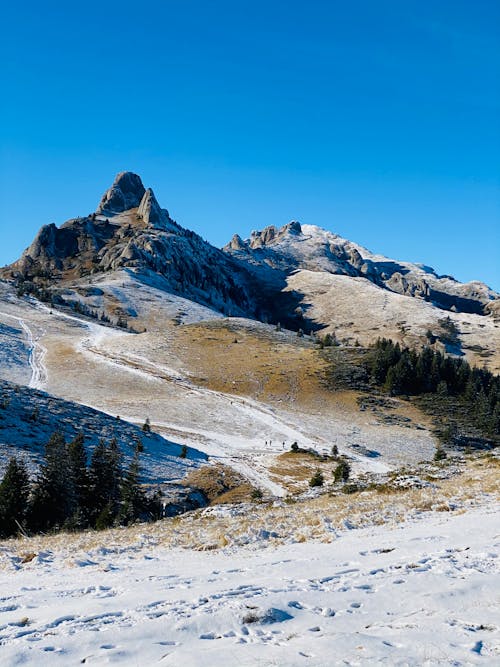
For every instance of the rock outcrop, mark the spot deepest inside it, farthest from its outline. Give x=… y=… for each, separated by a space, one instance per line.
x=131 y=230
x=149 y=210
x=126 y=192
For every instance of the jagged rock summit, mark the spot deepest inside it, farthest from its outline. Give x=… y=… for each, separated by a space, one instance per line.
x=127 y=193
x=130 y=230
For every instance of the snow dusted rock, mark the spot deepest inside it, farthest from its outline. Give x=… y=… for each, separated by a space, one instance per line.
x=149 y=210
x=236 y=243
x=262 y=277
x=126 y=192
x=130 y=229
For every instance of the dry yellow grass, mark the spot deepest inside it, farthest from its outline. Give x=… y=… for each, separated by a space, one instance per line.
x=284 y=521
x=257 y=362
x=260 y=364
x=294 y=470
x=220 y=484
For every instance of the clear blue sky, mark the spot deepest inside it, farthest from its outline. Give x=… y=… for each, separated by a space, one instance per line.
x=377 y=120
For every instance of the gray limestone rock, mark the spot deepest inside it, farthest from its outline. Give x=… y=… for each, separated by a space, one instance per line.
x=149 y=210
x=126 y=192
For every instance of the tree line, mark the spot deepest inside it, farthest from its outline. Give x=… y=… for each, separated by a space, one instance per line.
x=67 y=493
x=401 y=370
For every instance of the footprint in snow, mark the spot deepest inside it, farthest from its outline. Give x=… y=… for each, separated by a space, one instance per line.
x=168 y=643
x=477 y=648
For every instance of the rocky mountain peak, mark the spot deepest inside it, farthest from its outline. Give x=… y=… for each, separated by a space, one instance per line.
x=293 y=227
x=271 y=234
x=237 y=243
x=126 y=192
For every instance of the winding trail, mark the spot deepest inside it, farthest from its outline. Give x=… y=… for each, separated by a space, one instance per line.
x=36 y=355
x=245 y=453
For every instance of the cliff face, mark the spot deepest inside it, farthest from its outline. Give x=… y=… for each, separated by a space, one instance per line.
x=126 y=192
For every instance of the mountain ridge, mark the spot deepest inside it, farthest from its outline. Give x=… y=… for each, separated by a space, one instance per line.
x=250 y=277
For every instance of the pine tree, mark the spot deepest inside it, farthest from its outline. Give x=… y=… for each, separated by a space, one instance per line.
x=53 y=500
x=132 y=496
x=105 y=479
x=342 y=472
x=14 y=492
x=317 y=479
x=78 y=465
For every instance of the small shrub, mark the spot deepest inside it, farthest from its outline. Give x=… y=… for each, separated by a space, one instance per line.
x=317 y=479
x=342 y=472
x=256 y=494
x=251 y=617
x=440 y=454
x=351 y=487
x=294 y=447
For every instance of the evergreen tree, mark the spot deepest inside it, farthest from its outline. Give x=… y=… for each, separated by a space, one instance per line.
x=342 y=471
x=14 y=492
x=81 y=481
x=132 y=497
x=411 y=372
x=317 y=479
x=105 y=478
x=53 y=500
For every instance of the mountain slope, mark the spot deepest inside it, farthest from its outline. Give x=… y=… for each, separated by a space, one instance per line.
x=295 y=246
x=340 y=287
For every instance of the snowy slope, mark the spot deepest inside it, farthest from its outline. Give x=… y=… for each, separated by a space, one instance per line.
x=419 y=593
x=29 y=417
x=142 y=375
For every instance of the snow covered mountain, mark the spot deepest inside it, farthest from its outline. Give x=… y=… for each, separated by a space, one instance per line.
x=129 y=229
x=249 y=278
x=299 y=275
x=295 y=247
x=367 y=569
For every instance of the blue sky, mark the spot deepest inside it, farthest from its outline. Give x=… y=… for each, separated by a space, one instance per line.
x=377 y=120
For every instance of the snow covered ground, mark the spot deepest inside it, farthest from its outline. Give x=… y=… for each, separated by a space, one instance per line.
x=322 y=581
x=424 y=592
